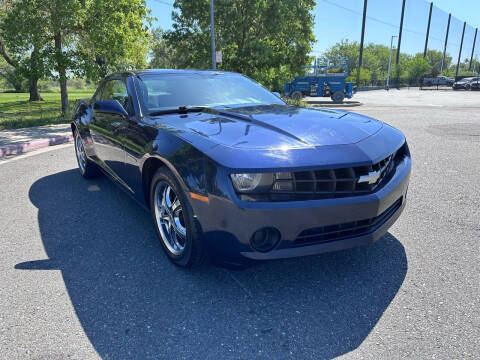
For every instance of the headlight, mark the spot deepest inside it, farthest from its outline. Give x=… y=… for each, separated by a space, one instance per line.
x=247 y=183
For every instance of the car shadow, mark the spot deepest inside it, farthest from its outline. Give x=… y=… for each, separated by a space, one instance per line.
x=134 y=304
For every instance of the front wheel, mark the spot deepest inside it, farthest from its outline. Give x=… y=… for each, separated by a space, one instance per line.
x=174 y=221
x=296 y=95
x=467 y=87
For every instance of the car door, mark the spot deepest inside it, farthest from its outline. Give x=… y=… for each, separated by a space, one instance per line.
x=138 y=141
x=107 y=129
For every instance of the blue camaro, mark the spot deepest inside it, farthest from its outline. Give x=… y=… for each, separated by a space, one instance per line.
x=228 y=170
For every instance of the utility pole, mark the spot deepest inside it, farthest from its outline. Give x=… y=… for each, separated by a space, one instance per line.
x=399 y=44
x=389 y=63
x=460 y=51
x=446 y=42
x=212 y=31
x=360 y=56
x=400 y=33
x=473 y=49
x=428 y=30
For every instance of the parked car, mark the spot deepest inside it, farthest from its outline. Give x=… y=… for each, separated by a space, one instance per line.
x=439 y=80
x=228 y=170
x=464 y=83
x=475 y=84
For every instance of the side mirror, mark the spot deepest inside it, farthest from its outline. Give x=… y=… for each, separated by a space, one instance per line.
x=277 y=94
x=110 y=107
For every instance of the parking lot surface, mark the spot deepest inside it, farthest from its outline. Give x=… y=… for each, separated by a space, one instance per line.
x=84 y=277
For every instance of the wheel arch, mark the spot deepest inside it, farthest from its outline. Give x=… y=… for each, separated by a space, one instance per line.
x=150 y=165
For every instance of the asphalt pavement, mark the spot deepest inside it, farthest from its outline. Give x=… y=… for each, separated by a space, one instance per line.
x=84 y=277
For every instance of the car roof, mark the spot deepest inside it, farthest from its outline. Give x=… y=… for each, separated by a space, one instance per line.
x=179 y=71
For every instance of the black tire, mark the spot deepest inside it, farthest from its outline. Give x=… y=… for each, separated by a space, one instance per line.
x=296 y=95
x=468 y=87
x=338 y=97
x=193 y=253
x=87 y=168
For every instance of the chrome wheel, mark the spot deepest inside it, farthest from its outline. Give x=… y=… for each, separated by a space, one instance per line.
x=169 y=218
x=81 y=156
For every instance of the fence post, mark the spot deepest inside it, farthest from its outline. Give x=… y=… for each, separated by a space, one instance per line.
x=428 y=30
x=446 y=41
x=460 y=51
x=473 y=49
x=361 y=42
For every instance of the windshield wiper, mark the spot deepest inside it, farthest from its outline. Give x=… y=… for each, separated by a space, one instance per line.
x=179 y=110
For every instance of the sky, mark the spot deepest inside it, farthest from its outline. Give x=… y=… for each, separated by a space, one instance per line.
x=342 y=19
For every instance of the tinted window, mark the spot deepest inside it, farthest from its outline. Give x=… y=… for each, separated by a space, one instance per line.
x=116 y=90
x=167 y=91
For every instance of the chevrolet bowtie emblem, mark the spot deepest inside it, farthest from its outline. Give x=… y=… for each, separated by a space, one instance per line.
x=371 y=178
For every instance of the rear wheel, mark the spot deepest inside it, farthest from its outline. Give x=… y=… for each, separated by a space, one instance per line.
x=87 y=169
x=468 y=87
x=174 y=221
x=338 y=97
x=296 y=95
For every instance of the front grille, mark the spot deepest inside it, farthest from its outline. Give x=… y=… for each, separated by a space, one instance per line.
x=330 y=183
x=346 y=230
x=333 y=182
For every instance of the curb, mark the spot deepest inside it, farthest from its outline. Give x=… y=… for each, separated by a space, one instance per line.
x=330 y=104
x=17 y=149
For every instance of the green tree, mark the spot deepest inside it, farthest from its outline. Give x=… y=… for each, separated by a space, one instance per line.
x=76 y=38
x=434 y=58
x=374 y=62
x=114 y=37
x=93 y=37
x=162 y=55
x=268 y=40
x=345 y=48
x=12 y=76
x=418 y=67
x=375 y=59
x=21 y=45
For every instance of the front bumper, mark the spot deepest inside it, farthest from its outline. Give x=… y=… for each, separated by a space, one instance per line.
x=228 y=224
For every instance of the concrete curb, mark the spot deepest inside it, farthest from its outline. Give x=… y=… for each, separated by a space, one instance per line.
x=317 y=103
x=21 y=148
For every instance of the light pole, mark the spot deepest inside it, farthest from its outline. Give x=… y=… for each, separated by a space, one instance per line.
x=387 y=87
x=212 y=32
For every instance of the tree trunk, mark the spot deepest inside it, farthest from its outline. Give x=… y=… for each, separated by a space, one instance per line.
x=33 y=87
x=62 y=73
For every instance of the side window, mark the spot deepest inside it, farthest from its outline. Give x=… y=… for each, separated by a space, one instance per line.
x=116 y=90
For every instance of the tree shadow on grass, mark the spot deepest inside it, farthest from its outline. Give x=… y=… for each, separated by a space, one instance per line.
x=134 y=304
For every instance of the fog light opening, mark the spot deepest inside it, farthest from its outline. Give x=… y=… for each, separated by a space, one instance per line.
x=265 y=239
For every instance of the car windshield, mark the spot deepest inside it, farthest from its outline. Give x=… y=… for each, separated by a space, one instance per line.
x=159 y=92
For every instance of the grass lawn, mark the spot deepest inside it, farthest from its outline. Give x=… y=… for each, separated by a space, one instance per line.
x=17 y=112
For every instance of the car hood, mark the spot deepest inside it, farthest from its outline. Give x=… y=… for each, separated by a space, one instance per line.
x=270 y=127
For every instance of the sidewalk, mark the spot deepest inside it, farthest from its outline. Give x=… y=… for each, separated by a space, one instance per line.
x=18 y=141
